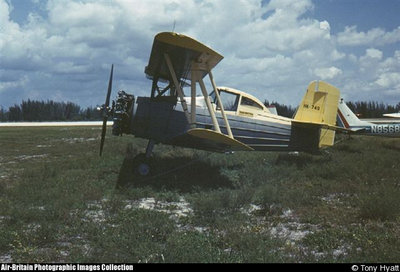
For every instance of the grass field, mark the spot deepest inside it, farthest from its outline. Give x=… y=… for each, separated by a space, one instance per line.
x=59 y=202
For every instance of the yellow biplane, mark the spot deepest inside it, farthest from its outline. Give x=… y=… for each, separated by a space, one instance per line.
x=224 y=119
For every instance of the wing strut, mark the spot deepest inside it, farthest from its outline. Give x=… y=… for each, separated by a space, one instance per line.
x=209 y=106
x=193 y=99
x=228 y=127
x=200 y=67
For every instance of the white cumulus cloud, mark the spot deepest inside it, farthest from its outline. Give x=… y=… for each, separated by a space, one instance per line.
x=376 y=36
x=272 y=49
x=327 y=73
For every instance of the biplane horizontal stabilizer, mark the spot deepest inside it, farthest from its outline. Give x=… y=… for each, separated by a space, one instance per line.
x=219 y=139
x=320 y=125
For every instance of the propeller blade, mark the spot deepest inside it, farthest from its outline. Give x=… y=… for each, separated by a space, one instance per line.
x=109 y=87
x=105 y=111
x=103 y=134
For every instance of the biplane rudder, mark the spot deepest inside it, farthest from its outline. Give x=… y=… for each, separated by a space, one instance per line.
x=317 y=114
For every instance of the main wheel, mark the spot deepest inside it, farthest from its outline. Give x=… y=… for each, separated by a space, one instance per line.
x=143 y=169
x=134 y=171
x=142 y=165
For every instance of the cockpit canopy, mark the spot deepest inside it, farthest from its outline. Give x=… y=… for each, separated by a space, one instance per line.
x=235 y=101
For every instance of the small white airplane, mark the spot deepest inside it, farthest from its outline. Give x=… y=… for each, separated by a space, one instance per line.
x=347 y=119
x=393 y=115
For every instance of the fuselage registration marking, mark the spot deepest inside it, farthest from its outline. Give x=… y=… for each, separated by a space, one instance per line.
x=385 y=129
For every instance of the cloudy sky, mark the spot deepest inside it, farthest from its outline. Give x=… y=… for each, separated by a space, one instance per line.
x=63 y=50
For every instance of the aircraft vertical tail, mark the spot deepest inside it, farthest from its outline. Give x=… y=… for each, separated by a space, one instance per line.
x=347 y=118
x=315 y=119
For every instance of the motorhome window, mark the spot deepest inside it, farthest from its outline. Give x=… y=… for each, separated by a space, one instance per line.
x=250 y=103
x=229 y=100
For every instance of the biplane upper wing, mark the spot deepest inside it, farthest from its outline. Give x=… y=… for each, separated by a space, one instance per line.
x=182 y=50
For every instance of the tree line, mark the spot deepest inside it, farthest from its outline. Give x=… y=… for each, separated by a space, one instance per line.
x=282 y=110
x=372 y=109
x=36 y=111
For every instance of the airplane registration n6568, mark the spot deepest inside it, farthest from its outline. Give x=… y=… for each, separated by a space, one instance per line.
x=379 y=129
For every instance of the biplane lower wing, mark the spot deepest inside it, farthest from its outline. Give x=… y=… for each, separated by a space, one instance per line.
x=207 y=139
x=219 y=138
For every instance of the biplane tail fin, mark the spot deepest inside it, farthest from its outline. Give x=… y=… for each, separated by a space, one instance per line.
x=316 y=116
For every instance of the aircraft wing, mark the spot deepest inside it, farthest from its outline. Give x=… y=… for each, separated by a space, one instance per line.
x=356 y=129
x=393 y=115
x=182 y=50
x=207 y=139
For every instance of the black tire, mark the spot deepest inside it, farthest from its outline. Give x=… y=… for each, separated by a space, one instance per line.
x=134 y=171
x=142 y=166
